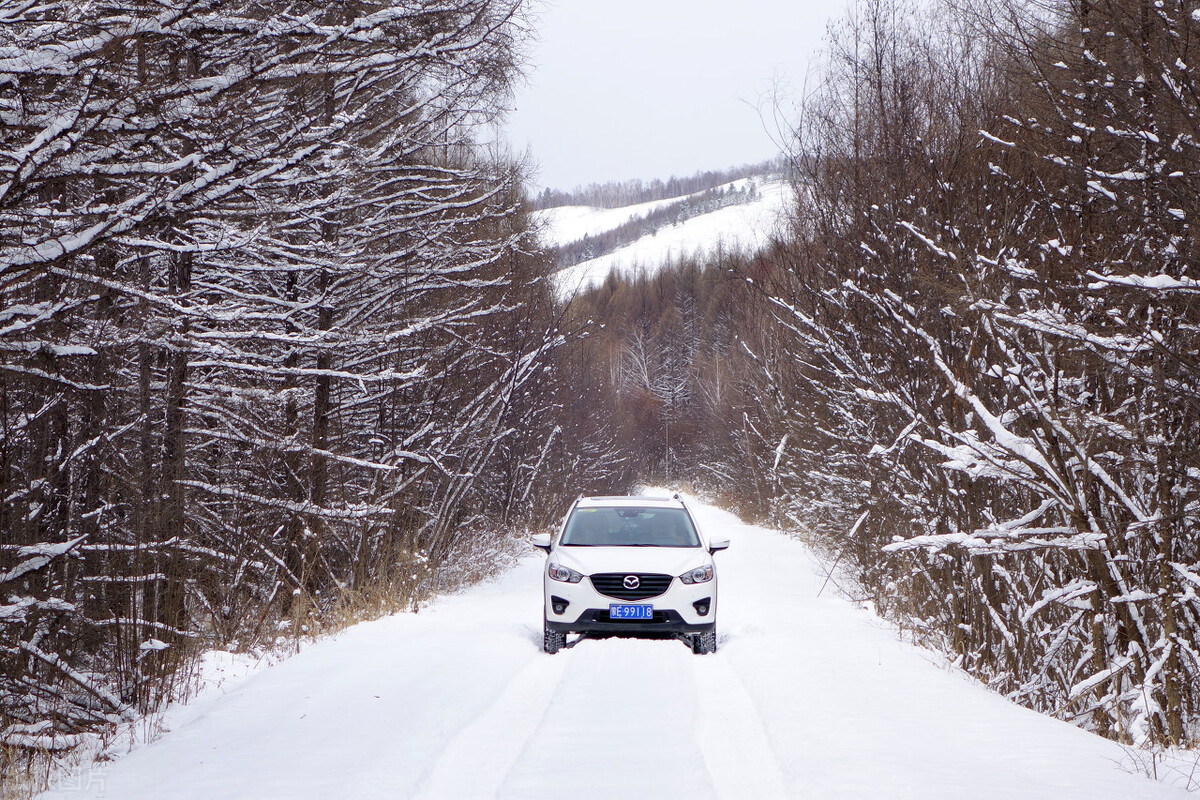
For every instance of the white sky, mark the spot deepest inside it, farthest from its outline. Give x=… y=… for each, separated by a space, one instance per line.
x=622 y=89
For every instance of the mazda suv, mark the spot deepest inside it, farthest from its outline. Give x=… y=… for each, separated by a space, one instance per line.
x=630 y=566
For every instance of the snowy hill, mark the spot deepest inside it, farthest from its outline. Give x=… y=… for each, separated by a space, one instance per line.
x=744 y=226
x=808 y=696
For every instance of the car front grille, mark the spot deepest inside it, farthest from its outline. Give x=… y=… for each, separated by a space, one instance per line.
x=612 y=584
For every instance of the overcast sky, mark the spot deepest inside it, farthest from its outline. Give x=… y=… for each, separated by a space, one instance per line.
x=622 y=89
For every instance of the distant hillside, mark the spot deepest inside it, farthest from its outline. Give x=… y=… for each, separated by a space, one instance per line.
x=615 y=194
x=593 y=241
x=601 y=243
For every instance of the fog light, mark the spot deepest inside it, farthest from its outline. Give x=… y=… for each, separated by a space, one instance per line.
x=701 y=606
x=558 y=604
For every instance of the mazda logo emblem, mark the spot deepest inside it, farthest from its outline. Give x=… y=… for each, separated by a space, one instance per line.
x=632 y=582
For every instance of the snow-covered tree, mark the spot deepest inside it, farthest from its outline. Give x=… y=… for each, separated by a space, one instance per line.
x=989 y=307
x=272 y=325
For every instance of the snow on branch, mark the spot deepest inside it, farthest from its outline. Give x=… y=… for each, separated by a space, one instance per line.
x=38 y=556
x=932 y=245
x=1155 y=283
x=994 y=541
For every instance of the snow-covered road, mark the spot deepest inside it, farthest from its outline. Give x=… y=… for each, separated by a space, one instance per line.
x=807 y=697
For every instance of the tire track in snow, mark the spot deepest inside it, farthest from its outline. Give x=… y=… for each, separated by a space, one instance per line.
x=620 y=726
x=478 y=758
x=739 y=754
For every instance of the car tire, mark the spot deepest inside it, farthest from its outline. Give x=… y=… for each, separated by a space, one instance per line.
x=552 y=641
x=704 y=643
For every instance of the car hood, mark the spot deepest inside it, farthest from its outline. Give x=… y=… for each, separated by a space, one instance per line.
x=668 y=560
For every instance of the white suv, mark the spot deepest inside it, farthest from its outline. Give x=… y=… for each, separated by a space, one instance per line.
x=630 y=565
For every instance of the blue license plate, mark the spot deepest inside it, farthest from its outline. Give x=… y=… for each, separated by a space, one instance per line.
x=622 y=611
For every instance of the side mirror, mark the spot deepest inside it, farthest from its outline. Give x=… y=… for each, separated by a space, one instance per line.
x=541 y=541
x=718 y=544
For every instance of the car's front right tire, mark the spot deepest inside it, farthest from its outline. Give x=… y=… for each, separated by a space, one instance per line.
x=704 y=643
x=552 y=641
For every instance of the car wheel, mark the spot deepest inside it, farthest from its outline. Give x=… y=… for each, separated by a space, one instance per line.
x=704 y=643
x=552 y=641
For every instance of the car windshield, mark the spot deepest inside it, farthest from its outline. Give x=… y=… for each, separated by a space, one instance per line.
x=630 y=527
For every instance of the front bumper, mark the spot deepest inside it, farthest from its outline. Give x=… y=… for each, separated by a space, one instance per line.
x=596 y=620
x=675 y=610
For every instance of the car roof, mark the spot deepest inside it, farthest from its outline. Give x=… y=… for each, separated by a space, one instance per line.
x=626 y=501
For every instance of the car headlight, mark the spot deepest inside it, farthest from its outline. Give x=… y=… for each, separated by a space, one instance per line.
x=565 y=574
x=698 y=575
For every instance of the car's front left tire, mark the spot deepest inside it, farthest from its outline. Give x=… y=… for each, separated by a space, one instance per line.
x=552 y=641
